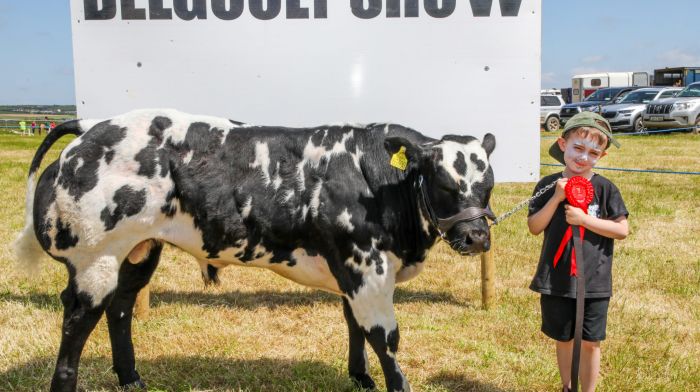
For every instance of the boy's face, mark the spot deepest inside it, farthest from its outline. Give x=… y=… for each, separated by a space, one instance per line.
x=580 y=153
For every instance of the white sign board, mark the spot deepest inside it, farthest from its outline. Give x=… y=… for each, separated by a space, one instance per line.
x=438 y=66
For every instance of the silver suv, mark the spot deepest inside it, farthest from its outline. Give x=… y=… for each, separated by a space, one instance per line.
x=681 y=111
x=550 y=104
x=627 y=114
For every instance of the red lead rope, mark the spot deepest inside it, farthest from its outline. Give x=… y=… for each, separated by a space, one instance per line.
x=579 y=193
x=567 y=236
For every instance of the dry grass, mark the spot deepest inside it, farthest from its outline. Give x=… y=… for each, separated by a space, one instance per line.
x=261 y=332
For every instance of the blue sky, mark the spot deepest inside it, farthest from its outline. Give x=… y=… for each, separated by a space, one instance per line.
x=37 y=56
x=582 y=36
x=578 y=36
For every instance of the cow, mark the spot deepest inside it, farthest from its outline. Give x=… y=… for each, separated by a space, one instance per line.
x=348 y=209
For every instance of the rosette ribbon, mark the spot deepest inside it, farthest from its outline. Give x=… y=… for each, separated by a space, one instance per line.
x=579 y=193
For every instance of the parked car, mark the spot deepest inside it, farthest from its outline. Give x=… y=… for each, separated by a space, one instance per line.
x=628 y=113
x=550 y=105
x=604 y=96
x=681 y=111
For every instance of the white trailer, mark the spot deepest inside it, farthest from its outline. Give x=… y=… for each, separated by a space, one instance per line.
x=585 y=84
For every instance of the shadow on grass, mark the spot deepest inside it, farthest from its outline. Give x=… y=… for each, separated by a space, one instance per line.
x=177 y=373
x=458 y=382
x=245 y=300
x=37 y=300
x=275 y=299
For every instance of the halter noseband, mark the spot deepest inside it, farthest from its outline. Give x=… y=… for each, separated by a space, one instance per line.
x=444 y=225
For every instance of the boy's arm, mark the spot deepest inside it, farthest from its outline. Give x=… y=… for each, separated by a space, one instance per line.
x=617 y=229
x=538 y=221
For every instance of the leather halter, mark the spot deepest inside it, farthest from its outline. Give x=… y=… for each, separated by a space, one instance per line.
x=444 y=225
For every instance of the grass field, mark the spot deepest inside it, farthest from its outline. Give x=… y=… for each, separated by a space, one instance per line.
x=258 y=331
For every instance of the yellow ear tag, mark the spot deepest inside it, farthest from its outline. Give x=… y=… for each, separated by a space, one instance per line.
x=399 y=160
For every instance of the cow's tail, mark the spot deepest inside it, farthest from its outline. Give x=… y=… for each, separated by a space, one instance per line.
x=28 y=251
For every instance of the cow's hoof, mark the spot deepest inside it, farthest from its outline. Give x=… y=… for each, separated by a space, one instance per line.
x=363 y=381
x=137 y=385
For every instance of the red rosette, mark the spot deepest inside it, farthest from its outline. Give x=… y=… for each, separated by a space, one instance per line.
x=579 y=192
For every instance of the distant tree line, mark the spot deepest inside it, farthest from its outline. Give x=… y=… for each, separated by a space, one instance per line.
x=38 y=109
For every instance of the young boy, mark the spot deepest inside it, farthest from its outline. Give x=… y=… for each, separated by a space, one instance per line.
x=584 y=141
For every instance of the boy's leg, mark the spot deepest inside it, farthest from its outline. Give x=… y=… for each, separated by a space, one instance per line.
x=564 y=352
x=594 y=330
x=558 y=315
x=590 y=365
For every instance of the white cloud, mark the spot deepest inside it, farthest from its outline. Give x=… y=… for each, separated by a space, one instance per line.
x=549 y=77
x=592 y=59
x=679 y=58
x=586 y=70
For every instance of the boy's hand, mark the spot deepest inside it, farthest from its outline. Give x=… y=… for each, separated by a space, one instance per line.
x=559 y=193
x=574 y=215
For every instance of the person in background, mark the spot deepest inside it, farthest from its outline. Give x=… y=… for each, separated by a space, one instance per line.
x=47 y=124
x=23 y=128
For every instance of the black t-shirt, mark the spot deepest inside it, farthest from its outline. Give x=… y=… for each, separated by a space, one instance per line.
x=597 y=250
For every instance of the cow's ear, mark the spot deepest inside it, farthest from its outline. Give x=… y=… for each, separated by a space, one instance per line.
x=413 y=152
x=489 y=143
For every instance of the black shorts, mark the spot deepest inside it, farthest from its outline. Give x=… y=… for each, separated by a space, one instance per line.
x=559 y=313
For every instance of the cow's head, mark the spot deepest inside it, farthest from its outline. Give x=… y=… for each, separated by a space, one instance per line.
x=453 y=185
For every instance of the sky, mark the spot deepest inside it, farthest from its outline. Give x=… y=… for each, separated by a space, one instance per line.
x=585 y=36
x=37 y=54
x=578 y=36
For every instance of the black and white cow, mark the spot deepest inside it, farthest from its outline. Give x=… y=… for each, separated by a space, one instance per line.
x=321 y=206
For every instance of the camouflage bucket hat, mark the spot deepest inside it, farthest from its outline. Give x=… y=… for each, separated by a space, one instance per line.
x=584 y=119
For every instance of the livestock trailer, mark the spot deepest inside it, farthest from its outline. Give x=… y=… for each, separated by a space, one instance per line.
x=676 y=76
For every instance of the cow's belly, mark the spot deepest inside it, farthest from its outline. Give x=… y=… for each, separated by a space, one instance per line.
x=311 y=271
x=181 y=232
x=409 y=272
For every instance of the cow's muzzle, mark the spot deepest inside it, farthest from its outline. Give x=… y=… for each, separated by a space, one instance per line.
x=475 y=240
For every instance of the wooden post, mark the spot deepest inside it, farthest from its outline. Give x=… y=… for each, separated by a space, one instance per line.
x=487 y=277
x=142 y=304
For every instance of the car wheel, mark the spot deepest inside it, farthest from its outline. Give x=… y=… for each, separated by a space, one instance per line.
x=696 y=130
x=552 y=124
x=638 y=124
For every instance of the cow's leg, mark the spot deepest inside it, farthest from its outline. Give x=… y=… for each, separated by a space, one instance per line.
x=373 y=309
x=210 y=274
x=79 y=319
x=132 y=278
x=357 y=358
